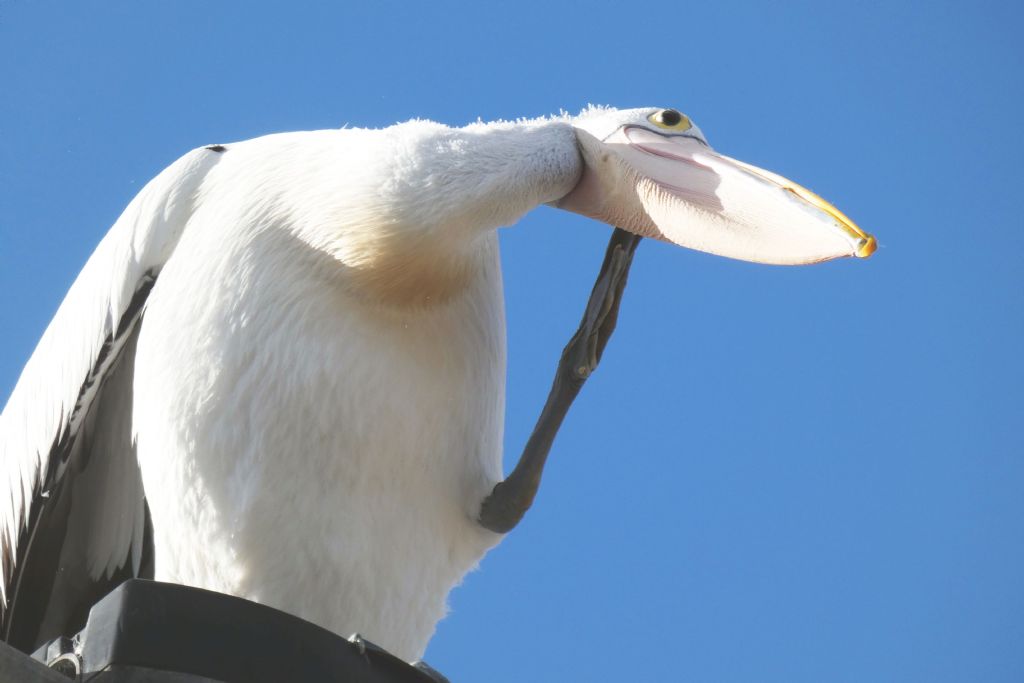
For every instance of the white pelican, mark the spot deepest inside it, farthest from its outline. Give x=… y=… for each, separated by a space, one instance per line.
x=281 y=373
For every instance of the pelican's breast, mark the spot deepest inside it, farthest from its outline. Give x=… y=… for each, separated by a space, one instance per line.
x=322 y=446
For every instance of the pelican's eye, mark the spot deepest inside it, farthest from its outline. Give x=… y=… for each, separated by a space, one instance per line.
x=670 y=119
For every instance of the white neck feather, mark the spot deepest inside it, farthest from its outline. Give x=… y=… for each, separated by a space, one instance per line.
x=416 y=199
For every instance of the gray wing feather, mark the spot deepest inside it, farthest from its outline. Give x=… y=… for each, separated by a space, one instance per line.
x=71 y=408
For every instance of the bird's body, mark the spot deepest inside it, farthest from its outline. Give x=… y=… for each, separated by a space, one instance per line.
x=300 y=341
x=377 y=424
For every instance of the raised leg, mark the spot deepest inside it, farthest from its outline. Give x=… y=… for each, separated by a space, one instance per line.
x=510 y=499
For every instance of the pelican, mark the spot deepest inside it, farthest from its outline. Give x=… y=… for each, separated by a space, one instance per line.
x=281 y=373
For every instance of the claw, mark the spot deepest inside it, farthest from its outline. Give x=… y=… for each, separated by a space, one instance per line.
x=358 y=641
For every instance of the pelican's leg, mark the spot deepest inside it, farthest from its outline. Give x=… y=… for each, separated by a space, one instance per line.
x=510 y=499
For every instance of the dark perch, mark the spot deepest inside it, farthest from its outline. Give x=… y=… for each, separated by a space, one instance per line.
x=152 y=632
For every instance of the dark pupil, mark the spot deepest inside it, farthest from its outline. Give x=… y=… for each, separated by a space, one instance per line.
x=670 y=117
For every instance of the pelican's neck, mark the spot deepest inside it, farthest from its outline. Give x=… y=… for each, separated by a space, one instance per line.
x=408 y=228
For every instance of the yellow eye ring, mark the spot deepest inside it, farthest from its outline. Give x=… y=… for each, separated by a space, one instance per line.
x=670 y=119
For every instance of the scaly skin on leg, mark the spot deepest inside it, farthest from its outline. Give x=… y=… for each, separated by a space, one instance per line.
x=510 y=499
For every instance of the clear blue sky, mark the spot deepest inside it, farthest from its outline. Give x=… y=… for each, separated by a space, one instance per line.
x=809 y=474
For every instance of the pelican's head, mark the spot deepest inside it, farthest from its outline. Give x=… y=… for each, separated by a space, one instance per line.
x=652 y=172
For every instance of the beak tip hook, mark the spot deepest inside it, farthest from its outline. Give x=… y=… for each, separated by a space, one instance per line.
x=866 y=246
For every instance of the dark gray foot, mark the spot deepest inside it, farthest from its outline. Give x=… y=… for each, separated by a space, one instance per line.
x=510 y=499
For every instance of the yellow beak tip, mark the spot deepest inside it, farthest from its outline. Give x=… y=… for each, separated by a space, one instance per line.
x=866 y=246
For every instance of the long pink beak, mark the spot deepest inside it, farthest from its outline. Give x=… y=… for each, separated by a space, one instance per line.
x=675 y=188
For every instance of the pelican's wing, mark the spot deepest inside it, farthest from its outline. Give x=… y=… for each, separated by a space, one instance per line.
x=73 y=520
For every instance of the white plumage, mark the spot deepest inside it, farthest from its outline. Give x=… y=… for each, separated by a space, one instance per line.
x=300 y=340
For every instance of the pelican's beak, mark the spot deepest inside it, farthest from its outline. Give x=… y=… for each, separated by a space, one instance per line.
x=676 y=188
